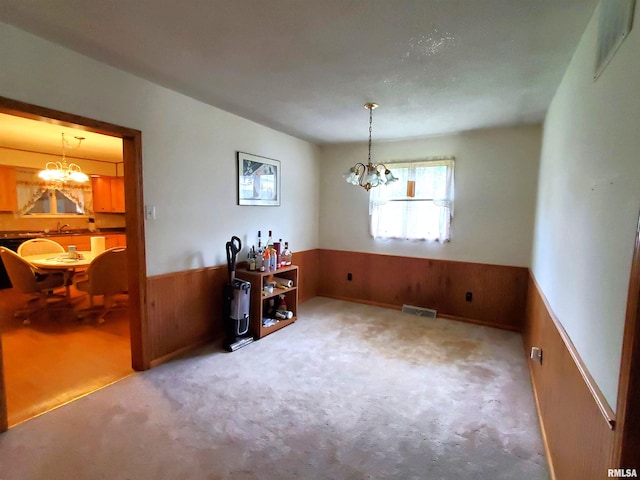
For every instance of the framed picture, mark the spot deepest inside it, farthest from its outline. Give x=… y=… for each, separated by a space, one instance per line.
x=258 y=180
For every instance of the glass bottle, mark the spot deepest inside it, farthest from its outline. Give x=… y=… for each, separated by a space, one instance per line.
x=266 y=266
x=270 y=265
x=259 y=254
x=251 y=259
x=279 y=247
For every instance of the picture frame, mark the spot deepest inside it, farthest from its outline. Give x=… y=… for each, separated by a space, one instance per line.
x=258 y=180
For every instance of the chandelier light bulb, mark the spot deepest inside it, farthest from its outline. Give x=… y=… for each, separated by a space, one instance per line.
x=59 y=173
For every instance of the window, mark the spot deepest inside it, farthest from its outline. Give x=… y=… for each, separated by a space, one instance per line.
x=419 y=206
x=55 y=202
x=36 y=197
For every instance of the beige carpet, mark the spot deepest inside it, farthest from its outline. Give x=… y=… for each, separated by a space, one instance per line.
x=347 y=392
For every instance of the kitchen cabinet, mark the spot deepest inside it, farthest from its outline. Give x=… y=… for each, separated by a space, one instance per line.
x=261 y=301
x=83 y=242
x=108 y=194
x=8 y=191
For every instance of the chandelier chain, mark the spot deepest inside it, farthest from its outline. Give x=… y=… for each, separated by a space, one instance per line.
x=370 y=128
x=369 y=175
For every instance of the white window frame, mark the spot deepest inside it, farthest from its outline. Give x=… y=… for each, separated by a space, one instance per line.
x=421 y=211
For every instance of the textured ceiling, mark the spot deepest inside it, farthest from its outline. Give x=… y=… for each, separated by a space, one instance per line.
x=307 y=67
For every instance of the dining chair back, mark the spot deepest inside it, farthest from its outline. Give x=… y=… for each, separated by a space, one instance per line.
x=25 y=279
x=106 y=276
x=37 y=246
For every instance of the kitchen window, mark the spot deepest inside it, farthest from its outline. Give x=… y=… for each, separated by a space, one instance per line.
x=419 y=206
x=36 y=197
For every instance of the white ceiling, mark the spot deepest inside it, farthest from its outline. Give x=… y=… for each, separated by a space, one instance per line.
x=19 y=133
x=307 y=67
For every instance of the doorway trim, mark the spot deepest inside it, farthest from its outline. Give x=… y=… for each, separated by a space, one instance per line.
x=626 y=441
x=134 y=217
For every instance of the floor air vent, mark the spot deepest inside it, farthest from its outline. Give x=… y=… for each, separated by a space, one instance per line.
x=421 y=312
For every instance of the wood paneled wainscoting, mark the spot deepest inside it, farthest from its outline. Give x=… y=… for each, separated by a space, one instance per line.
x=576 y=420
x=498 y=292
x=185 y=308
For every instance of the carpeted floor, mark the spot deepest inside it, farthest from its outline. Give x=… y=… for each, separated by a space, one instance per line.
x=347 y=392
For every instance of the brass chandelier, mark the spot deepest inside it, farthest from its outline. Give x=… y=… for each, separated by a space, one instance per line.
x=369 y=175
x=59 y=173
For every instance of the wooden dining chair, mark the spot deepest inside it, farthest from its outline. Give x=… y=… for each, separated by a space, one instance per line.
x=106 y=276
x=25 y=279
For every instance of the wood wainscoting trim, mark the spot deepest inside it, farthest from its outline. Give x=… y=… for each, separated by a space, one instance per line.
x=185 y=308
x=543 y=430
x=440 y=315
x=499 y=292
x=576 y=428
x=598 y=396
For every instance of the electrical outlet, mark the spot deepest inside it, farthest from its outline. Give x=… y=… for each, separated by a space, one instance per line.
x=349 y=277
x=536 y=354
x=469 y=296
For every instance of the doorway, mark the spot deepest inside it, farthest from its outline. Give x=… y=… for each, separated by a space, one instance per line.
x=136 y=270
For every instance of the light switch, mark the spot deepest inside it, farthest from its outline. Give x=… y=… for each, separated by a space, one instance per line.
x=150 y=212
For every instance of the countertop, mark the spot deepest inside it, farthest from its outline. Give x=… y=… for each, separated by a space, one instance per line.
x=27 y=234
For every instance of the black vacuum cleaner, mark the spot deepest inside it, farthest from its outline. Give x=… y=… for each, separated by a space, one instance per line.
x=237 y=296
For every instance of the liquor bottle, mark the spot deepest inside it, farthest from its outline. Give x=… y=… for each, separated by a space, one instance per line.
x=279 y=247
x=260 y=254
x=266 y=265
x=251 y=259
x=260 y=261
x=271 y=264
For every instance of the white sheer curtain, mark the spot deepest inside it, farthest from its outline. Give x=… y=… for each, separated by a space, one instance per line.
x=30 y=188
x=419 y=206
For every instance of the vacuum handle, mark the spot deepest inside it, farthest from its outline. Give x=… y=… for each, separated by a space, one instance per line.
x=233 y=248
x=237 y=244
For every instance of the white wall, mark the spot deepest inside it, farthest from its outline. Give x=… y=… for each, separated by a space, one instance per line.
x=588 y=200
x=188 y=151
x=495 y=183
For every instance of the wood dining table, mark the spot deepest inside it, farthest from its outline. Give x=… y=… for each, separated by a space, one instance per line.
x=61 y=261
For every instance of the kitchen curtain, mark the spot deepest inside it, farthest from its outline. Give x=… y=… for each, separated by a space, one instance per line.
x=30 y=188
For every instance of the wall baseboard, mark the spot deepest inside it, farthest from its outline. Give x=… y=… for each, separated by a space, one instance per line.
x=576 y=421
x=498 y=292
x=440 y=315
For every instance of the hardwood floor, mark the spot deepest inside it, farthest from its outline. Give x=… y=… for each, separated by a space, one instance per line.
x=58 y=358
